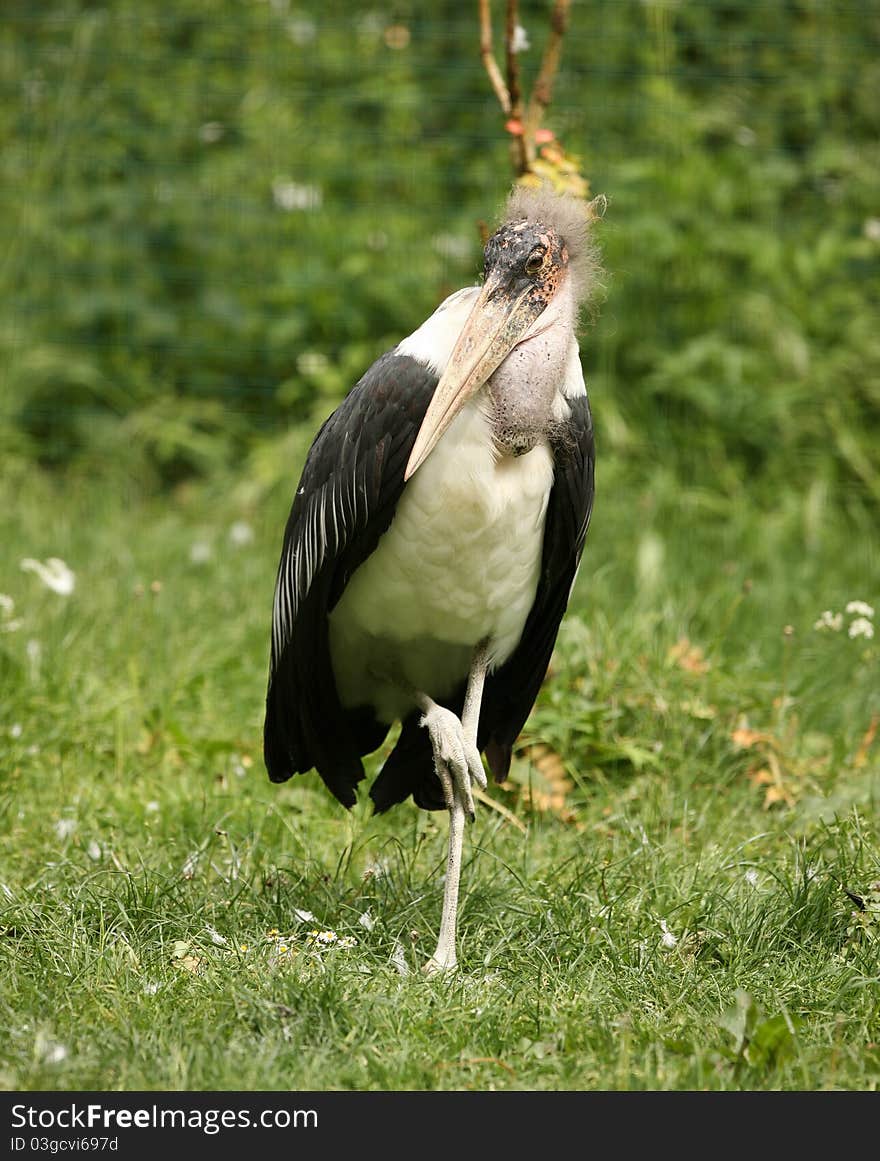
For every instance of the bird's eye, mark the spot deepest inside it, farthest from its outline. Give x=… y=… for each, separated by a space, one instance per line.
x=535 y=260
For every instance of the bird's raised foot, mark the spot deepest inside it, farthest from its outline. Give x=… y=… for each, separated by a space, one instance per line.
x=456 y=758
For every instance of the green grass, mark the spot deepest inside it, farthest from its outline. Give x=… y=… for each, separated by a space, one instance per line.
x=150 y=873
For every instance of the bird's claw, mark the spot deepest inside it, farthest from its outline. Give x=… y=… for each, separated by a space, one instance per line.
x=456 y=759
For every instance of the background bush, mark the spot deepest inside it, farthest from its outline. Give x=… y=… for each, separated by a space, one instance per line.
x=215 y=214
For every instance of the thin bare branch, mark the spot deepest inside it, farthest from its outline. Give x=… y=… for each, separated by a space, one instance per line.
x=489 y=62
x=542 y=90
x=513 y=59
x=521 y=151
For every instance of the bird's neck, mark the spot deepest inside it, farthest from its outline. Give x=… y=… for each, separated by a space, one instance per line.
x=519 y=396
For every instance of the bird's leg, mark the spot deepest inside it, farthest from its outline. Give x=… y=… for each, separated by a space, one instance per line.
x=457 y=761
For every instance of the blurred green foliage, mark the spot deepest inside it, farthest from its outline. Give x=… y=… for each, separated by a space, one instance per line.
x=215 y=214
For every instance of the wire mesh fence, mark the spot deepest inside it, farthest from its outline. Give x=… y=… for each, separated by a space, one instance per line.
x=216 y=214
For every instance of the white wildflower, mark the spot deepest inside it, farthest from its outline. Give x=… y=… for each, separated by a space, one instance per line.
x=667 y=939
x=152 y=807
x=520 y=42
x=241 y=533
x=751 y=877
x=65 y=827
x=366 y=920
x=191 y=865
x=15 y=730
x=53 y=572
x=861 y=627
x=301 y=30
x=292 y=195
x=312 y=363
x=200 y=552
x=303 y=916
x=829 y=620
x=93 y=850
x=151 y=987
x=871 y=229
x=8 y=623
x=211 y=131
x=53 y=1053
x=859 y=609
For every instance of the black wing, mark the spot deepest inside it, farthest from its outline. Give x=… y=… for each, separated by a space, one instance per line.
x=347 y=495
x=510 y=691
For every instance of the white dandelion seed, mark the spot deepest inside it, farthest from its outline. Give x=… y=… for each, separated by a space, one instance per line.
x=398 y=958
x=93 y=850
x=861 y=627
x=751 y=877
x=366 y=920
x=216 y=937
x=65 y=827
x=859 y=609
x=667 y=939
x=53 y=572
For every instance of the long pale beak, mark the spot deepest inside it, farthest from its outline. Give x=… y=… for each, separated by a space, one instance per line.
x=498 y=321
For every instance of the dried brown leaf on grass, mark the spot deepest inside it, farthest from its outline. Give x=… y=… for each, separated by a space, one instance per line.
x=547 y=786
x=688 y=656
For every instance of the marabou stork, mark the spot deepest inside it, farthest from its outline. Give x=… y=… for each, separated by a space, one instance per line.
x=435 y=535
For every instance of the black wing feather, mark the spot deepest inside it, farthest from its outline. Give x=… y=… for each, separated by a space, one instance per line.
x=350 y=486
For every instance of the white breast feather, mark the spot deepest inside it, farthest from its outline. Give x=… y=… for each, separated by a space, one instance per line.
x=460 y=562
